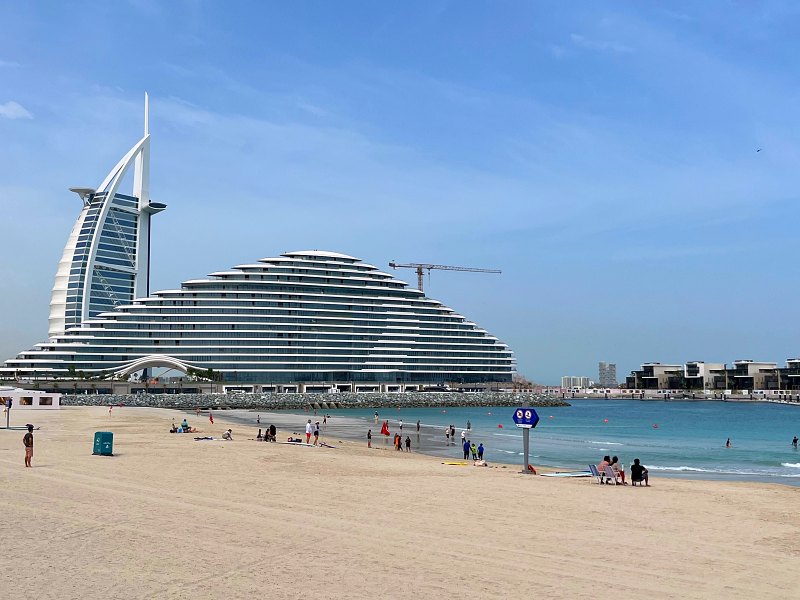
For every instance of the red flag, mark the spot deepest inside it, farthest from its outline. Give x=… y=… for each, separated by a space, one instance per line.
x=211 y=418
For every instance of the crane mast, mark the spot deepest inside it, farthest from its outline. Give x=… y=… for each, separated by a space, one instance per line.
x=420 y=268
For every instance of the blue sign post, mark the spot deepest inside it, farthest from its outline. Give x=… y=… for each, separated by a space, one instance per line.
x=8 y=412
x=526 y=419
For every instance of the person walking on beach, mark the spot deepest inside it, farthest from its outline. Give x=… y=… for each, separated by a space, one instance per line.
x=466 y=449
x=463 y=435
x=480 y=451
x=316 y=432
x=401 y=426
x=210 y=416
x=369 y=438
x=728 y=443
x=408 y=444
x=308 y=431
x=258 y=419
x=27 y=441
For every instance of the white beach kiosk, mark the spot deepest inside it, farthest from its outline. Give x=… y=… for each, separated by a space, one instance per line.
x=30 y=399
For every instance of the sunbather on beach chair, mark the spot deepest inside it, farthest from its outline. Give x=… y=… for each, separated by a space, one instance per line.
x=611 y=476
x=593 y=470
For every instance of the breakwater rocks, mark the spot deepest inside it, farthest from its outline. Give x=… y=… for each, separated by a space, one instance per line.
x=320 y=401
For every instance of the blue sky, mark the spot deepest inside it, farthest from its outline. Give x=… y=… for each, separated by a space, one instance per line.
x=602 y=154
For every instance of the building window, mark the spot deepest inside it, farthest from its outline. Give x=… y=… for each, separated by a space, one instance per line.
x=26 y=401
x=45 y=401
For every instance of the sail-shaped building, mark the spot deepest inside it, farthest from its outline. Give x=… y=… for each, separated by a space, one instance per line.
x=305 y=317
x=106 y=261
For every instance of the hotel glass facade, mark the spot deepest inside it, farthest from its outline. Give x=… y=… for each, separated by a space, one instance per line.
x=306 y=316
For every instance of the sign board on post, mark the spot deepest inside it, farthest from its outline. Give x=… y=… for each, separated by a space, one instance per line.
x=526 y=419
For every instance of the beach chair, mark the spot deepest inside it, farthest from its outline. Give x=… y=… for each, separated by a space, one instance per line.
x=595 y=473
x=611 y=476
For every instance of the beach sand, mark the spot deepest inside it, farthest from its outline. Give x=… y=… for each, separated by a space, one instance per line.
x=169 y=517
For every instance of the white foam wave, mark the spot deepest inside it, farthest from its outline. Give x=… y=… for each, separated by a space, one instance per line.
x=605 y=443
x=721 y=471
x=791 y=465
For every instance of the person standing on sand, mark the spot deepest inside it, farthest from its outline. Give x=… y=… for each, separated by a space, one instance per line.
x=308 y=432
x=27 y=440
x=258 y=419
x=408 y=444
x=447 y=436
x=480 y=451
x=316 y=432
x=369 y=438
x=466 y=449
x=474 y=449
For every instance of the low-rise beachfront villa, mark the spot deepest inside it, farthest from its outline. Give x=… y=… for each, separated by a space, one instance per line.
x=305 y=318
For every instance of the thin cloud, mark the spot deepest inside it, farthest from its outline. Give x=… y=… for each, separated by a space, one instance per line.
x=12 y=110
x=9 y=64
x=599 y=45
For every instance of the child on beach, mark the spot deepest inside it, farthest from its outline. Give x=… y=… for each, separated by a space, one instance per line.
x=369 y=438
x=27 y=441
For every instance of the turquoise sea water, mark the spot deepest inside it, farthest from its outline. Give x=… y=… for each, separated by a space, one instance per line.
x=689 y=439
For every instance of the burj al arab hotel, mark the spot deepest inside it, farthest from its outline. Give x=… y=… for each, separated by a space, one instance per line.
x=106 y=262
x=299 y=318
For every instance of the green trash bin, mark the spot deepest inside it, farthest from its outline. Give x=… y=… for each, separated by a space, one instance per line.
x=103 y=443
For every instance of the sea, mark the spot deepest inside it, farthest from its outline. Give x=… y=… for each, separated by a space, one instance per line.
x=671 y=438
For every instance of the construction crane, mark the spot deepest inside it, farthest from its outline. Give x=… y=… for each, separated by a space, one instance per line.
x=421 y=267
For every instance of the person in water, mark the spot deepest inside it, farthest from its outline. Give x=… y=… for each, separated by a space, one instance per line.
x=728 y=443
x=794 y=442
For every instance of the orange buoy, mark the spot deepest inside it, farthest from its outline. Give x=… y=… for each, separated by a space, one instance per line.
x=531 y=469
x=605 y=420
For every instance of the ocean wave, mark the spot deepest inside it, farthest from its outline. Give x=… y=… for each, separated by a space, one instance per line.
x=604 y=443
x=722 y=471
x=791 y=465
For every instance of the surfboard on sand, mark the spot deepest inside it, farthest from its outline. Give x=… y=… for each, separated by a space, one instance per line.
x=297 y=444
x=456 y=464
x=568 y=474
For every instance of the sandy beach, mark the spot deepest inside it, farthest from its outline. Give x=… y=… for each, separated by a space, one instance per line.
x=169 y=517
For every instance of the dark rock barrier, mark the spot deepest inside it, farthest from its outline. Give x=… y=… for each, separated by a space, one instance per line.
x=320 y=401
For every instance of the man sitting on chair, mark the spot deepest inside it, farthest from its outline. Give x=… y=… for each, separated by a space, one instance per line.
x=638 y=473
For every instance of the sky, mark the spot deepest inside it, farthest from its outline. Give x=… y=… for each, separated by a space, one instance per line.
x=632 y=167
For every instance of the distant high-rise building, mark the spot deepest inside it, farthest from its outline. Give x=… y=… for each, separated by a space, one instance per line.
x=571 y=381
x=608 y=374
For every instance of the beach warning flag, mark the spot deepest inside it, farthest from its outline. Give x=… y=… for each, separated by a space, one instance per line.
x=210 y=417
x=385 y=428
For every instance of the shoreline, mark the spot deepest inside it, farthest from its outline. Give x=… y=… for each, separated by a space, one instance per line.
x=431 y=443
